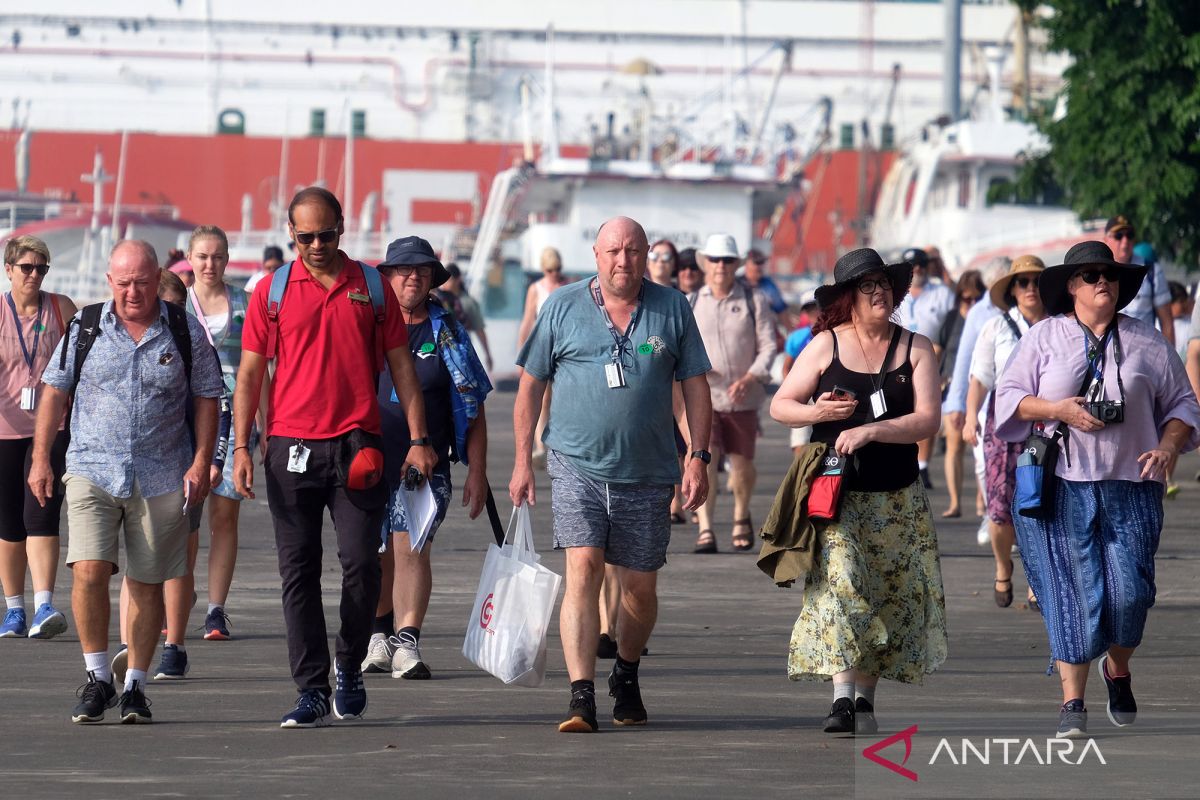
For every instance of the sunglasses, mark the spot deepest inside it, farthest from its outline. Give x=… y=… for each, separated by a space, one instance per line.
x=326 y=236
x=1121 y=235
x=1025 y=283
x=1092 y=276
x=720 y=260
x=690 y=268
x=666 y=258
x=28 y=269
x=970 y=299
x=871 y=284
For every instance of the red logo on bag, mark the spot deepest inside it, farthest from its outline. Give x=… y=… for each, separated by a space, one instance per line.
x=486 y=611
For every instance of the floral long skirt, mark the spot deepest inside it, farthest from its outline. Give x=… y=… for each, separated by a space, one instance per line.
x=874 y=600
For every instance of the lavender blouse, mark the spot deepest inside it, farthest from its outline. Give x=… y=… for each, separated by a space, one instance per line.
x=1050 y=362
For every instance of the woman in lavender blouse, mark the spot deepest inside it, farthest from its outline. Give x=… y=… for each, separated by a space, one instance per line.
x=1091 y=562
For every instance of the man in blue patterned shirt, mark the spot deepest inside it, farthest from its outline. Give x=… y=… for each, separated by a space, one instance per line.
x=131 y=467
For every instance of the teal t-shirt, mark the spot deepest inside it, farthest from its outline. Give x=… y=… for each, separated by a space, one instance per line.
x=623 y=435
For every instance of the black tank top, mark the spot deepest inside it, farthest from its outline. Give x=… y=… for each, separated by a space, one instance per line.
x=881 y=467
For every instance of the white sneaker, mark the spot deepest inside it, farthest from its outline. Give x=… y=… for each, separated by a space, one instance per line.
x=984 y=535
x=379 y=654
x=120 y=664
x=406 y=661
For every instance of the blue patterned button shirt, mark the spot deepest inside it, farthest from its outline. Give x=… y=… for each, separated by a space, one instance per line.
x=129 y=421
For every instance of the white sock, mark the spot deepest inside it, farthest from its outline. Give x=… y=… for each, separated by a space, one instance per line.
x=841 y=690
x=134 y=676
x=213 y=606
x=16 y=601
x=97 y=663
x=178 y=647
x=865 y=692
x=43 y=599
x=922 y=465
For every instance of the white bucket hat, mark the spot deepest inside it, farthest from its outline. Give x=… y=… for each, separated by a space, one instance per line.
x=720 y=245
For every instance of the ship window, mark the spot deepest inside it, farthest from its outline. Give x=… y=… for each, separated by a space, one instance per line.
x=964 y=189
x=504 y=291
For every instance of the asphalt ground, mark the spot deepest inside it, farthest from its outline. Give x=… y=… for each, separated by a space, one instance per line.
x=724 y=719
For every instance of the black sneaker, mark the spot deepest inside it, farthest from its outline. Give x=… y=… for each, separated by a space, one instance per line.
x=349 y=694
x=1072 y=720
x=606 y=647
x=841 y=717
x=864 y=718
x=1122 y=708
x=135 y=708
x=628 y=708
x=581 y=714
x=925 y=479
x=312 y=708
x=94 y=698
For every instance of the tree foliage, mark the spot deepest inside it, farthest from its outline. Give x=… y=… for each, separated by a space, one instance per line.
x=1130 y=141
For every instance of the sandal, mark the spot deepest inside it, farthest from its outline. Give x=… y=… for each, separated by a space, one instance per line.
x=706 y=542
x=951 y=513
x=745 y=541
x=1034 y=605
x=678 y=519
x=1003 y=598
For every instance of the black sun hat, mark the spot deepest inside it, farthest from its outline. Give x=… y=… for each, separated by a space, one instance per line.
x=1053 y=284
x=857 y=263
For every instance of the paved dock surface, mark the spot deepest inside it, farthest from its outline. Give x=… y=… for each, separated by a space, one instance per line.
x=724 y=720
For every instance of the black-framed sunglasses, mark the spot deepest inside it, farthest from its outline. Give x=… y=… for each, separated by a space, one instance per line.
x=1093 y=276
x=869 y=285
x=1122 y=235
x=666 y=258
x=721 y=259
x=1026 y=282
x=326 y=236
x=28 y=269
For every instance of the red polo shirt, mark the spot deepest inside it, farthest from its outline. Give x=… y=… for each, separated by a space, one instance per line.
x=325 y=375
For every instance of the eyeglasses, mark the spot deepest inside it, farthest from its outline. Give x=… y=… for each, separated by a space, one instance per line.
x=721 y=259
x=1121 y=235
x=404 y=270
x=664 y=257
x=1091 y=276
x=326 y=236
x=1025 y=283
x=869 y=285
x=28 y=269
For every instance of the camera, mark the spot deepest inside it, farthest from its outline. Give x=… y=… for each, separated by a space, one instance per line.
x=1107 y=411
x=413 y=478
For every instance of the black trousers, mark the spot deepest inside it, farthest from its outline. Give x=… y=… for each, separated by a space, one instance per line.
x=298 y=502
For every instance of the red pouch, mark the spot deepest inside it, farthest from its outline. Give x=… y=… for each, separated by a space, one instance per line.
x=825 y=494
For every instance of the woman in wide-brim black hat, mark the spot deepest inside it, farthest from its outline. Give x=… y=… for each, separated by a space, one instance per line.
x=870 y=390
x=1119 y=391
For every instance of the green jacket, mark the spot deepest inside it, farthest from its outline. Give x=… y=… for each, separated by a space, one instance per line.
x=789 y=538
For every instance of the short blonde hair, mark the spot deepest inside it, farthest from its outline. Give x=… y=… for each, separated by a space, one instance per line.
x=20 y=245
x=207 y=232
x=551 y=259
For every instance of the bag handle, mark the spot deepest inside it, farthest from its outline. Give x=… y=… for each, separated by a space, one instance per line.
x=522 y=541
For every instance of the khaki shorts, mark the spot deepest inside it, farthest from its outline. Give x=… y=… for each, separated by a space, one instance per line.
x=156 y=530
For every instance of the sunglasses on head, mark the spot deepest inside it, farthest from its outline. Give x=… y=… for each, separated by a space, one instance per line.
x=1121 y=235
x=664 y=257
x=326 y=236
x=1026 y=282
x=1092 y=276
x=869 y=285
x=28 y=269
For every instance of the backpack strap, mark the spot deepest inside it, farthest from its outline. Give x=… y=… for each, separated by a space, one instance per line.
x=177 y=323
x=1012 y=325
x=374 y=283
x=57 y=311
x=89 y=328
x=279 y=282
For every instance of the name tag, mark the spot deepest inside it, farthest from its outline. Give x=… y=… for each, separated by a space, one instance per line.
x=28 y=398
x=878 y=404
x=355 y=297
x=615 y=375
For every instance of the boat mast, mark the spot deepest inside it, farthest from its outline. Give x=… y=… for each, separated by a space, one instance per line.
x=952 y=60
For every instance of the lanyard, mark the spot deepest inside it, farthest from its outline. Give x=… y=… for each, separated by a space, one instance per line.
x=1094 y=350
x=620 y=341
x=37 y=330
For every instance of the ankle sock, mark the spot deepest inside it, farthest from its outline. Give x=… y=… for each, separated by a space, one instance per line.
x=623 y=667
x=215 y=606
x=15 y=601
x=583 y=686
x=841 y=690
x=409 y=634
x=97 y=663
x=43 y=599
x=134 y=676
x=178 y=647
x=385 y=624
x=866 y=693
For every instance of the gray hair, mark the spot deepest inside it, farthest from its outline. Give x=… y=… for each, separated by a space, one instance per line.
x=995 y=269
x=147 y=250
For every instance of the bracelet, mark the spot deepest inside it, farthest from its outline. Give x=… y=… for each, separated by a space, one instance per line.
x=240 y=447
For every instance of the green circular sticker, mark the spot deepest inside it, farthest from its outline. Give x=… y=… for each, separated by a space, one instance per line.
x=427 y=347
x=646 y=349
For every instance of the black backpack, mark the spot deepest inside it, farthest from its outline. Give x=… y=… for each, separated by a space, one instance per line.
x=89 y=328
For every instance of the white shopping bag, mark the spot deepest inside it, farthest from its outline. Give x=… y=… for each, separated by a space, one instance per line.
x=506 y=634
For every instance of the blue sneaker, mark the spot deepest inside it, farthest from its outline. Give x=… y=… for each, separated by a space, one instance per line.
x=173 y=666
x=312 y=707
x=14 y=624
x=48 y=622
x=216 y=625
x=349 y=694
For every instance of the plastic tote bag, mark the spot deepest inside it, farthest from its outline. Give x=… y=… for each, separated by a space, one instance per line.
x=506 y=634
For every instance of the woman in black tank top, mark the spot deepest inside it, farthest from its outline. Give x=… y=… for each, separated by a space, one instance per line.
x=873 y=603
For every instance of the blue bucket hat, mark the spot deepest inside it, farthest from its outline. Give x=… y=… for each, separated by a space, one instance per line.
x=413 y=251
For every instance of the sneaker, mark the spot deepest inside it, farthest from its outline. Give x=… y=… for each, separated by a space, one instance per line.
x=1122 y=708
x=174 y=665
x=216 y=625
x=312 y=708
x=349 y=694
x=864 y=718
x=983 y=536
x=120 y=664
x=841 y=717
x=926 y=481
x=94 y=698
x=48 y=622
x=628 y=708
x=1072 y=720
x=606 y=647
x=14 y=624
x=406 y=660
x=581 y=714
x=379 y=654
x=135 y=707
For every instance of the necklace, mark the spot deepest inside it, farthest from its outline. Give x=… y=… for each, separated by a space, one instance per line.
x=861 y=349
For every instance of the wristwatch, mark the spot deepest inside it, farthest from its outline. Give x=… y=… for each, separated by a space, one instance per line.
x=424 y=441
x=703 y=455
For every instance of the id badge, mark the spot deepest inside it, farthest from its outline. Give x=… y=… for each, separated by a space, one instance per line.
x=878 y=404
x=615 y=375
x=28 y=398
x=298 y=458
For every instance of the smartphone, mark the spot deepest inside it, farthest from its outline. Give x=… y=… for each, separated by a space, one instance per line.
x=840 y=393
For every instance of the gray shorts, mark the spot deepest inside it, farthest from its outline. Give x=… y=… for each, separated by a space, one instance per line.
x=630 y=522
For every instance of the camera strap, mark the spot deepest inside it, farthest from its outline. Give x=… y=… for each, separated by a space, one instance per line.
x=1094 y=352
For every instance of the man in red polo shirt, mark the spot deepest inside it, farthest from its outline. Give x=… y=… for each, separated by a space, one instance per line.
x=323 y=430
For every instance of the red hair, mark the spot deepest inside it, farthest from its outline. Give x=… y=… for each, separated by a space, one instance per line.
x=837 y=312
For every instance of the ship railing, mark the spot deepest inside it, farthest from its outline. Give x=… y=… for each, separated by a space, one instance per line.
x=491 y=226
x=249 y=245
x=19 y=213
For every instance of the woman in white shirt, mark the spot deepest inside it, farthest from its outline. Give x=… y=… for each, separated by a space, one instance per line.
x=1016 y=291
